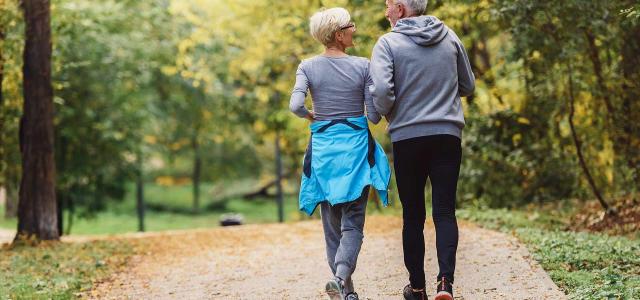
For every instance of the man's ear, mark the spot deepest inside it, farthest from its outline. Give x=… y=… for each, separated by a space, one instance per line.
x=402 y=11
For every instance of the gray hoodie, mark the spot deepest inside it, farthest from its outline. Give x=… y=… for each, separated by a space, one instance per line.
x=419 y=71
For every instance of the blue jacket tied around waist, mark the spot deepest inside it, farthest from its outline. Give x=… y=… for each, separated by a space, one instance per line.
x=341 y=159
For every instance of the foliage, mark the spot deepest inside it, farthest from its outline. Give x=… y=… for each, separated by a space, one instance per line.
x=198 y=115
x=206 y=82
x=102 y=72
x=11 y=44
x=587 y=56
x=588 y=266
x=518 y=145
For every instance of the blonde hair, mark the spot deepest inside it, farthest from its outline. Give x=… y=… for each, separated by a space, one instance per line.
x=325 y=23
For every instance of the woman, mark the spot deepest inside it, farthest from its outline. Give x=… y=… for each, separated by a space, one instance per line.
x=342 y=159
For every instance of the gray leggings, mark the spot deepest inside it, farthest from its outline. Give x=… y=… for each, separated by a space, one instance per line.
x=343 y=231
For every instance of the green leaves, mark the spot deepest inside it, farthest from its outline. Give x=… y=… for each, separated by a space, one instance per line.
x=220 y=73
x=105 y=58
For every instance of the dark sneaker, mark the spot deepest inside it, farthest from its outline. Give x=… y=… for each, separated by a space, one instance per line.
x=352 y=296
x=409 y=294
x=445 y=290
x=335 y=289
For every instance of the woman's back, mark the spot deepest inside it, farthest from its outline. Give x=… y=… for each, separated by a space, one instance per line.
x=339 y=88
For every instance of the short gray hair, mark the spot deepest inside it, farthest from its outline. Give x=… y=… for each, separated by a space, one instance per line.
x=417 y=7
x=325 y=23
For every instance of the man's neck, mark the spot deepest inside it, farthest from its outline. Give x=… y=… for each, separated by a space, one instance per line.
x=409 y=16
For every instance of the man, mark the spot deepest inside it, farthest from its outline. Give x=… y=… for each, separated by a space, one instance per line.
x=420 y=70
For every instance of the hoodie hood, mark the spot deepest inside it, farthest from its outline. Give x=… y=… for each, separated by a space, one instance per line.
x=423 y=30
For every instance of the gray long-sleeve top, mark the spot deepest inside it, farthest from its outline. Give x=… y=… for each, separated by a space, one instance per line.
x=339 y=88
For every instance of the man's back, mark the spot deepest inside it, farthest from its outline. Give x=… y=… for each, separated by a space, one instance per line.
x=419 y=71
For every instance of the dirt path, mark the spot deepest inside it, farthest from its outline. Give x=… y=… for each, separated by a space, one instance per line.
x=6 y=236
x=287 y=261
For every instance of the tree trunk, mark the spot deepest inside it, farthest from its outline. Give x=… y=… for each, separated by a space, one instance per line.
x=264 y=189
x=140 y=194
x=1 y=73
x=2 y=118
x=197 y=165
x=578 y=145
x=279 y=194
x=37 y=212
x=1 y=94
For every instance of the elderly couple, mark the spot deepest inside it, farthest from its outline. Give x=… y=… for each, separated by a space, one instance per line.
x=416 y=76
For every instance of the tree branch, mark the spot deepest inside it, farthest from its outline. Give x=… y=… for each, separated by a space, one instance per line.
x=578 y=145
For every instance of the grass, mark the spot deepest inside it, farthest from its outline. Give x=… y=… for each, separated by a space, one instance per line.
x=58 y=270
x=120 y=221
x=584 y=265
x=175 y=211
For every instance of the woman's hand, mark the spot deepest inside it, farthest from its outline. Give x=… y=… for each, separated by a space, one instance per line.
x=311 y=117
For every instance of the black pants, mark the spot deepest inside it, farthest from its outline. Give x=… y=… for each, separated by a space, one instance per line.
x=438 y=158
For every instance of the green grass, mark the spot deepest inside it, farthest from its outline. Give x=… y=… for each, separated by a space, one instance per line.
x=176 y=202
x=58 y=270
x=175 y=209
x=584 y=265
x=118 y=220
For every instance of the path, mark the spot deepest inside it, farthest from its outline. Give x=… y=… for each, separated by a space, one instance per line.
x=6 y=236
x=287 y=261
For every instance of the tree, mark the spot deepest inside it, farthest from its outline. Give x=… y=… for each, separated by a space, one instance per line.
x=2 y=38
x=203 y=114
x=140 y=207
x=37 y=212
x=104 y=78
x=596 y=46
x=2 y=119
x=630 y=108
